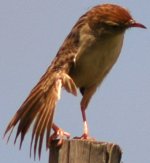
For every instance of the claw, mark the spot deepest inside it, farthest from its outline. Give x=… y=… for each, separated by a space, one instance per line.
x=84 y=137
x=59 y=134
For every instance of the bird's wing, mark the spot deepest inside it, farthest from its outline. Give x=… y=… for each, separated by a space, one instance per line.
x=39 y=106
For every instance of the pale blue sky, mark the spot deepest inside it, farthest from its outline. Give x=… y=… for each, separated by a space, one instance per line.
x=31 y=32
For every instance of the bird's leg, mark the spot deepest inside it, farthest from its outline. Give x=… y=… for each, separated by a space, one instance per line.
x=85 y=124
x=58 y=133
x=84 y=103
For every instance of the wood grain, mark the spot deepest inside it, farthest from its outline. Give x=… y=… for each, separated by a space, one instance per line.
x=81 y=151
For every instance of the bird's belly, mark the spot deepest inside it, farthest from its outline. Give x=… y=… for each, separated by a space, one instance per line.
x=95 y=62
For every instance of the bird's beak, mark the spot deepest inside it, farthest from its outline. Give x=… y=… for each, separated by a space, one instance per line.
x=135 y=24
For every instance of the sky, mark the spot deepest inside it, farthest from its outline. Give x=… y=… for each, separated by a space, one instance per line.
x=31 y=32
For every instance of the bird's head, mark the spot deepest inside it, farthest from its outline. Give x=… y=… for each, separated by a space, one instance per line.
x=112 y=18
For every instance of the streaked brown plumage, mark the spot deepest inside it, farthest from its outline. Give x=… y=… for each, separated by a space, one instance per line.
x=83 y=60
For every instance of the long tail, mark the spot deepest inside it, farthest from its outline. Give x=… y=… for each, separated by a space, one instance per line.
x=39 y=108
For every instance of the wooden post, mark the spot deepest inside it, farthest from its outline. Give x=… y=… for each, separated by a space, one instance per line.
x=81 y=151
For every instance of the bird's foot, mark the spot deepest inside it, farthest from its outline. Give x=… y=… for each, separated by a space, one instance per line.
x=59 y=134
x=84 y=136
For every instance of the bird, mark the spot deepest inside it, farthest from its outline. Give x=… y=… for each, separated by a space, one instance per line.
x=85 y=58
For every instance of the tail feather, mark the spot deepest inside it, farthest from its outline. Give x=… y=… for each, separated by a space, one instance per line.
x=39 y=109
x=40 y=126
x=24 y=110
x=31 y=109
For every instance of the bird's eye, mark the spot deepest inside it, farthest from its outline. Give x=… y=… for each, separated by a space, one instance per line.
x=115 y=26
x=112 y=25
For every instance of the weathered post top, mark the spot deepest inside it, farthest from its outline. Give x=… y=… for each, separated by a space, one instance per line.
x=81 y=151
